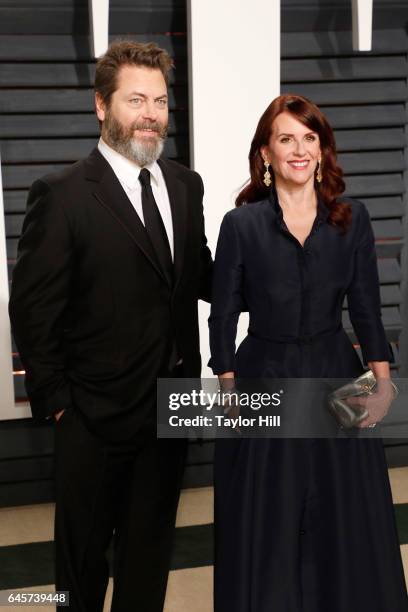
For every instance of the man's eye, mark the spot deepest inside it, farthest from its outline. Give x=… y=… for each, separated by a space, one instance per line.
x=136 y=100
x=162 y=103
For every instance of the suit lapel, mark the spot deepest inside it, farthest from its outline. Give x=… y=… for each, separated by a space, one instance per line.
x=177 y=191
x=110 y=194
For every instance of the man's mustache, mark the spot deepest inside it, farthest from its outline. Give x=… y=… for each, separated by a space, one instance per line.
x=154 y=126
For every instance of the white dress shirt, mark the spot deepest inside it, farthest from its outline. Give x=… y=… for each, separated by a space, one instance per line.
x=127 y=173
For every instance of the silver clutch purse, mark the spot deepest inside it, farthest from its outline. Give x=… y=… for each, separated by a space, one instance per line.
x=349 y=416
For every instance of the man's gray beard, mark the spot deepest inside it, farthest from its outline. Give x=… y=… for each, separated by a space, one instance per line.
x=142 y=153
x=122 y=141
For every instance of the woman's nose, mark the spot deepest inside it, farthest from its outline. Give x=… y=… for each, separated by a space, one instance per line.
x=299 y=147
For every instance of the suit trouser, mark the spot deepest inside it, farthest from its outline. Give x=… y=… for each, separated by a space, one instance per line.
x=129 y=489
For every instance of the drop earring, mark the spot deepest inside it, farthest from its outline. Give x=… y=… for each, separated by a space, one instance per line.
x=267 y=179
x=319 y=176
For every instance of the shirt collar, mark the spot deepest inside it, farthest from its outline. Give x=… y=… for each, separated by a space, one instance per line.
x=126 y=170
x=322 y=211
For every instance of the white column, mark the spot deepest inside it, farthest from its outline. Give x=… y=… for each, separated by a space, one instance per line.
x=99 y=25
x=362 y=24
x=7 y=407
x=234 y=63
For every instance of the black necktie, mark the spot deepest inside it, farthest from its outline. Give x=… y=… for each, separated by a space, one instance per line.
x=155 y=227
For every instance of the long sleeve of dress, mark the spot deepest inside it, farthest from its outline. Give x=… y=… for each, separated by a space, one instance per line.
x=363 y=297
x=227 y=298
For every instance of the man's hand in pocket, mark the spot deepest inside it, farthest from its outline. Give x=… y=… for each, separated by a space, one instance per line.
x=58 y=415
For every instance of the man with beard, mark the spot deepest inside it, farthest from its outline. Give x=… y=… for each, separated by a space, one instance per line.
x=111 y=263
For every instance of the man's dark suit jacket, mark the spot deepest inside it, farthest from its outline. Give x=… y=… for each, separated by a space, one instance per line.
x=92 y=314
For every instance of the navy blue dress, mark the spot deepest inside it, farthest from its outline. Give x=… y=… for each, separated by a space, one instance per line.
x=301 y=525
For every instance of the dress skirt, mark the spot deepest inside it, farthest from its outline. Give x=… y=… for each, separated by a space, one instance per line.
x=304 y=525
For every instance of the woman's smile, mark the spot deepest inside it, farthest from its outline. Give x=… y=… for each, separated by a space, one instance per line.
x=299 y=165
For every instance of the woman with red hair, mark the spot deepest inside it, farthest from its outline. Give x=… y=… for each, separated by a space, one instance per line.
x=301 y=525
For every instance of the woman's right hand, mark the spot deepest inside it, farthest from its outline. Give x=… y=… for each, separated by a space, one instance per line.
x=231 y=399
x=227 y=381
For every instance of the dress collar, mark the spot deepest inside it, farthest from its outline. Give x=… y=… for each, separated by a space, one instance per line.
x=322 y=211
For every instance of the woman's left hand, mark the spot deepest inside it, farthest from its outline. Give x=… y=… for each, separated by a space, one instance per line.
x=377 y=403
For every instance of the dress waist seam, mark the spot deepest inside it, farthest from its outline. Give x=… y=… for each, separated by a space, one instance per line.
x=302 y=340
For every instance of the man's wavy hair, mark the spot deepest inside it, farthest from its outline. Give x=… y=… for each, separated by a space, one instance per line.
x=128 y=53
x=332 y=185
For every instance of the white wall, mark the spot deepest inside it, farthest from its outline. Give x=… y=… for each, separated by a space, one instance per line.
x=234 y=55
x=99 y=25
x=362 y=12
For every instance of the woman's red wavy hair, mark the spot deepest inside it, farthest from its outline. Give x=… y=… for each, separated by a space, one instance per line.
x=332 y=185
